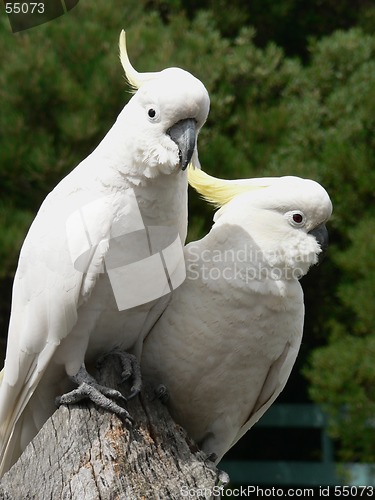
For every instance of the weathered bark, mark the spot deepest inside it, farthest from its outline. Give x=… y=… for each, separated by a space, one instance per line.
x=85 y=453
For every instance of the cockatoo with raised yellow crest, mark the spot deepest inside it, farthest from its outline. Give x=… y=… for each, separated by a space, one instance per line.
x=226 y=344
x=101 y=254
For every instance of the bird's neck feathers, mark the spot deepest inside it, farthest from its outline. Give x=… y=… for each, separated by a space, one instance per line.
x=227 y=258
x=117 y=152
x=163 y=201
x=263 y=250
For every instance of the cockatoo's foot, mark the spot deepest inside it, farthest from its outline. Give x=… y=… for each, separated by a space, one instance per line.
x=130 y=368
x=88 y=388
x=162 y=393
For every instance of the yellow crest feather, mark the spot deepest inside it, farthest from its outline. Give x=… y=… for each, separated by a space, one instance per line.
x=135 y=79
x=218 y=192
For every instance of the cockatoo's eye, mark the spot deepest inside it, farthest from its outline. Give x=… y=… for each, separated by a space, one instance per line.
x=296 y=218
x=153 y=114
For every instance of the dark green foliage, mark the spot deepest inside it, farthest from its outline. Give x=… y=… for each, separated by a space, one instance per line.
x=343 y=376
x=62 y=86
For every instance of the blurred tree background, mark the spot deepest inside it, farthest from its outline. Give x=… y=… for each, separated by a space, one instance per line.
x=292 y=88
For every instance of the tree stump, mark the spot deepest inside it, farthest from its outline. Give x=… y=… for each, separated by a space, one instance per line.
x=87 y=453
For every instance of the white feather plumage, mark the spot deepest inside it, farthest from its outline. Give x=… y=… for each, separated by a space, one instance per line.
x=226 y=344
x=62 y=317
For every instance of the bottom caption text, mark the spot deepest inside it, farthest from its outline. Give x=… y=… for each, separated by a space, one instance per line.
x=272 y=492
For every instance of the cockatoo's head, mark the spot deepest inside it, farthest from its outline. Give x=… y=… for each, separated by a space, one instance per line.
x=284 y=216
x=167 y=112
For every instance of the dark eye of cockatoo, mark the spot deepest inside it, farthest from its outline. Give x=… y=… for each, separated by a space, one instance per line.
x=296 y=218
x=153 y=114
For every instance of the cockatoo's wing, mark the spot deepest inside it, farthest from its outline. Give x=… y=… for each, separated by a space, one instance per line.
x=274 y=383
x=47 y=291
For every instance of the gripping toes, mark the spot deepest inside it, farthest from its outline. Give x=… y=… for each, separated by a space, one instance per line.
x=130 y=368
x=102 y=396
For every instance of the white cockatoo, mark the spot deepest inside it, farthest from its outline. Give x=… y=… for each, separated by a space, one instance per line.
x=91 y=271
x=226 y=344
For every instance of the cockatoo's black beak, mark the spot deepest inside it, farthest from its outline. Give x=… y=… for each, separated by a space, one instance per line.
x=183 y=133
x=320 y=233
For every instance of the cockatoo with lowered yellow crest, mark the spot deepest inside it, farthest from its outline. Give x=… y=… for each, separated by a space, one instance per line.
x=101 y=255
x=226 y=344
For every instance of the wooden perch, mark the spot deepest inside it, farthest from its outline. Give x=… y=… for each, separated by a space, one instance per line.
x=85 y=453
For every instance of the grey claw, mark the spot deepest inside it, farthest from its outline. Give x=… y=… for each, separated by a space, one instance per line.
x=130 y=368
x=88 y=388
